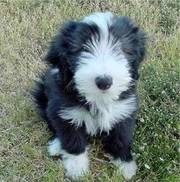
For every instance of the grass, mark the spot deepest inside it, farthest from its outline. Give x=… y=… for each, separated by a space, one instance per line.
x=26 y=27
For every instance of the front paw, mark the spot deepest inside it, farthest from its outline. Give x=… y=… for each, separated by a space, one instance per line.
x=76 y=165
x=128 y=169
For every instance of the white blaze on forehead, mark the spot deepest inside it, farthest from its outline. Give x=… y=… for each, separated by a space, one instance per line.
x=102 y=20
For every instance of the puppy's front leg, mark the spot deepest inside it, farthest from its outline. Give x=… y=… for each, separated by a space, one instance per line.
x=118 y=143
x=76 y=165
x=71 y=143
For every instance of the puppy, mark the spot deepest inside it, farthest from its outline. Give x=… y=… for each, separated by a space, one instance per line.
x=90 y=89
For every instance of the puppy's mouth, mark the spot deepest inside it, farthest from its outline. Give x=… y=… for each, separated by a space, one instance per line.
x=103 y=92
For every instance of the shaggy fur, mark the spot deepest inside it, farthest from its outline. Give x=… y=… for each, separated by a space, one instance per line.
x=90 y=89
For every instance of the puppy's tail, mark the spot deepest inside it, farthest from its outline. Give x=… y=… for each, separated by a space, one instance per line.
x=40 y=98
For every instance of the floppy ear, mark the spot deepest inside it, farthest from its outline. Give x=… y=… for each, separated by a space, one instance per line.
x=67 y=42
x=133 y=40
x=58 y=48
x=64 y=49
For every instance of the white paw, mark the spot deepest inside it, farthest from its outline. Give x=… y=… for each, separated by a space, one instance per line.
x=76 y=165
x=128 y=169
x=54 y=147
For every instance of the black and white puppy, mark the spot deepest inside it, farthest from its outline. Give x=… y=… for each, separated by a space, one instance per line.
x=90 y=89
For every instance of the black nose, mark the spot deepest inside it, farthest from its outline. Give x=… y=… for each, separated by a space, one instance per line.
x=103 y=82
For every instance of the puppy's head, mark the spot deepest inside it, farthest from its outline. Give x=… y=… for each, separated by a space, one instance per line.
x=101 y=54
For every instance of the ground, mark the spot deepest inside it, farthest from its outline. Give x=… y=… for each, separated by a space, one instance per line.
x=26 y=28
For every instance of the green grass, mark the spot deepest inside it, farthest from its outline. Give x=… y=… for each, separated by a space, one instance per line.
x=26 y=27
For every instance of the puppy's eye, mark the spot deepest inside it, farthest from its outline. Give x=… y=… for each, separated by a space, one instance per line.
x=84 y=49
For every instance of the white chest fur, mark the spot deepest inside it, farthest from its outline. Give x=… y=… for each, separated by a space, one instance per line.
x=102 y=119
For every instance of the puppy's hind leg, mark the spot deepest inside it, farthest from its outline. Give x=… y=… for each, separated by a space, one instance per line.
x=54 y=147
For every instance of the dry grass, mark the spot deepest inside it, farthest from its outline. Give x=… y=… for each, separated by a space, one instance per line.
x=26 y=27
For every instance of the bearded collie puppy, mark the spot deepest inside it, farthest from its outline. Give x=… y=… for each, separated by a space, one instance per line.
x=90 y=90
